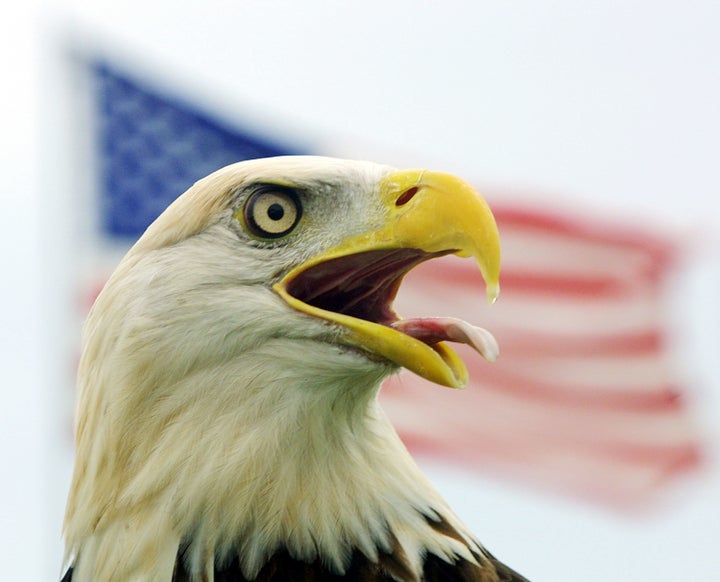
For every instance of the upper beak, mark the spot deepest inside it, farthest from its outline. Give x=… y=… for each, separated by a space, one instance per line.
x=431 y=212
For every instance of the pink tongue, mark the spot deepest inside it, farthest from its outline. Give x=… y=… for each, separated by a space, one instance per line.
x=437 y=329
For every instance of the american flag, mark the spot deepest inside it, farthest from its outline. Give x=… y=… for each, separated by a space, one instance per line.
x=585 y=396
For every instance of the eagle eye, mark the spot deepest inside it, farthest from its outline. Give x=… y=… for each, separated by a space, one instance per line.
x=272 y=212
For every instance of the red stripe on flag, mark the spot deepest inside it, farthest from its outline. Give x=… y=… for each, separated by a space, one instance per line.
x=652 y=398
x=523 y=343
x=558 y=284
x=623 y=236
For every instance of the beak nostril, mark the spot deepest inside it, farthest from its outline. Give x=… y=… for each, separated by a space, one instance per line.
x=406 y=196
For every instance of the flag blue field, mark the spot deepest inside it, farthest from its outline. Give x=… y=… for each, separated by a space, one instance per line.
x=152 y=146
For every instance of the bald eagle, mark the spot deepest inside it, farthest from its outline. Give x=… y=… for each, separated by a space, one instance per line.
x=228 y=426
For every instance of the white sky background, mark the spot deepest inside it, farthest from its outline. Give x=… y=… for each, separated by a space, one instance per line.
x=605 y=106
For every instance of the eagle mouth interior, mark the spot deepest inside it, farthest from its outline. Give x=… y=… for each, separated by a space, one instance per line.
x=357 y=291
x=361 y=285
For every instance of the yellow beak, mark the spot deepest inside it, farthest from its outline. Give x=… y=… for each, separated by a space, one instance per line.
x=429 y=213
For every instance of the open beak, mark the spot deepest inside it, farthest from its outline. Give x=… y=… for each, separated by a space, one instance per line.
x=428 y=214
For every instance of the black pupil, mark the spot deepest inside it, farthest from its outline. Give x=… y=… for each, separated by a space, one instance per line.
x=275 y=211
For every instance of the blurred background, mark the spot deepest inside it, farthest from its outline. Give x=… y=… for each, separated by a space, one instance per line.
x=590 y=451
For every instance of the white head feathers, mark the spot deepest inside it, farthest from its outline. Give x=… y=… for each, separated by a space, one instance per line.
x=215 y=420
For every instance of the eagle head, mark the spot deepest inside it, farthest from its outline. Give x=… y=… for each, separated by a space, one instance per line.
x=227 y=411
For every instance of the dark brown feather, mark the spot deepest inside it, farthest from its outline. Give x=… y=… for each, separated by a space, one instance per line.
x=283 y=568
x=493 y=570
x=391 y=566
